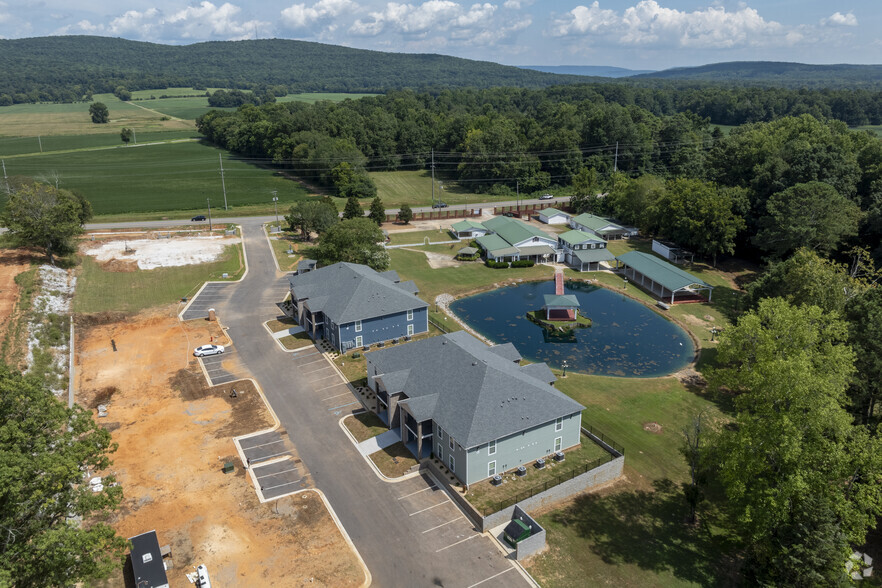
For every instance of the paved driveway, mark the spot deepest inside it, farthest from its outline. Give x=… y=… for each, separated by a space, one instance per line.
x=408 y=533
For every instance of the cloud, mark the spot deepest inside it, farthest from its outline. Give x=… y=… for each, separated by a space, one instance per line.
x=430 y=16
x=837 y=19
x=298 y=16
x=647 y=23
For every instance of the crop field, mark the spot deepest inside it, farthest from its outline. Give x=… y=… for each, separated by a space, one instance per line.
x=33 y=145
x=164 y=177
x=183 y=108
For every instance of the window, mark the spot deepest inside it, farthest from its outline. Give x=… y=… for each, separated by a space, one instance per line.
x=359 y=341
x=557 y=443
x=452 y=463
x=491 y=469
x=440 y=452
x=358 y=326
x=558 y=424
x=491 y=448
x=410 y=315
x=450 y=442
x=410 y=330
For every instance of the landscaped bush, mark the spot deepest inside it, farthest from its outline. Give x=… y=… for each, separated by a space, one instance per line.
x=523 y=263
x=496 y=264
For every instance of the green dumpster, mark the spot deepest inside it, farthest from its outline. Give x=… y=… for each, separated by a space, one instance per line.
x=515 y=532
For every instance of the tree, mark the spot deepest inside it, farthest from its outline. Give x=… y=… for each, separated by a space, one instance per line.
x=633 y=200
x=123 y=94
x=405 y=214
x=352 y=209
x=42 y=216
x=99 y=113
x=802 y=481
x=701 y=215
x=378 y=211
x=812 y=215
x=44 y=449
x=356 y=240
x=807 y=278
x=126 y=135
x=584 y=191
x=694 y=450
x=312 y=216
x=864 y=315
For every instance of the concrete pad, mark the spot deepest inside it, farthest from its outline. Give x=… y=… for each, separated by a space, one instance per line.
x=291 y=331
x=381 y=441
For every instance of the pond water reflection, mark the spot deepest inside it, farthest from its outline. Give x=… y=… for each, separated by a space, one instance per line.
x=625 y=339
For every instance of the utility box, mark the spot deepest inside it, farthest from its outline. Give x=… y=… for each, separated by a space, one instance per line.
x=211 y=315
x=229 y=467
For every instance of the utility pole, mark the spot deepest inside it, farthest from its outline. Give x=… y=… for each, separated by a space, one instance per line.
x=5 y=179
x=433 y=178
x=518 y=192
x=135 y=134
x=616 y=160
x=275 y=206
x=223 y=184
x=209 y=213
x=40 y=141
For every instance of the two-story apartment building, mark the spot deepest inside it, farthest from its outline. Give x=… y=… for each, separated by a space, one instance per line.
x=471 y=405
x=352 y=305
x=583 y=251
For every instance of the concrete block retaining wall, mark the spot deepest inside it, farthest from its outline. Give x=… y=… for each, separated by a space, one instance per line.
x=535 y=542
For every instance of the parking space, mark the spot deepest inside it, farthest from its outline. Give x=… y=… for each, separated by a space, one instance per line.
x=265 y=446
x=211 y=296
x=224 y=367
x=280 y=478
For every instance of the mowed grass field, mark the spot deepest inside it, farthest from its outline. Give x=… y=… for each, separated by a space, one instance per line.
x=163 y=177
x=32 y=145
x=415 y=189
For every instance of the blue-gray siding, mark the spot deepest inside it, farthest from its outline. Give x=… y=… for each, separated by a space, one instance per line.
x=379 y=329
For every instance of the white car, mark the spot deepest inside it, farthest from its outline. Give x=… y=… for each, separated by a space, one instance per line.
x=204 y=350
x=546 y=197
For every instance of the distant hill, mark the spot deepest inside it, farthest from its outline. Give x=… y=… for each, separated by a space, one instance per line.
x=603 y=71
x=776 y=73
x=40 y=68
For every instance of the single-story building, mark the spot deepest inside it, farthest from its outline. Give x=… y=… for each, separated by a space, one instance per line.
x=602 y=227
x=512 y=239
x=468 y=228
x=553 y=216
x=467 y=253
x=147 y=565
x=471 y=405
x=672 y=251
x=305 y=265
x=663 y=279
x=583 y=251
x=352 y=305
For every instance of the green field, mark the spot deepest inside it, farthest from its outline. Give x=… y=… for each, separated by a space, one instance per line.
x=99 y=290
x=415 y=188
x=184 y=108
x=411 y=237
x=31 y=145
x=175 y=176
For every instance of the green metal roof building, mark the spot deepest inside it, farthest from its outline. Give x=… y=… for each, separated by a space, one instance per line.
x=514 y=239
x=603 y=228
x=661 y=278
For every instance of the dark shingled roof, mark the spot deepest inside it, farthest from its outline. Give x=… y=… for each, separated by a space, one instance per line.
x=348 y=292
x=474 y=392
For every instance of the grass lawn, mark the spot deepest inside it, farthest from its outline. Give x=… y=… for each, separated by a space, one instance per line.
x=486 y=497
x=295 y=341
x=281 y=242
x=365 y=425
x=415 y=188
x=284 y=324
x=189 y=108
x=634 y=534
x=412 y=265
x=394 y=461
x=420 y=237
x=161 y=178
x=99 y=290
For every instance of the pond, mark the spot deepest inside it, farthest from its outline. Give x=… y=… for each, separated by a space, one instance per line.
x=625 y=338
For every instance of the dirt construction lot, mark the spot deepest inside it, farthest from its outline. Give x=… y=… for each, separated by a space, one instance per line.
x=174 y=435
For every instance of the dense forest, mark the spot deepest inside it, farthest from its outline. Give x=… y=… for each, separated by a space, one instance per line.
x=777 y=73
x=654 y=167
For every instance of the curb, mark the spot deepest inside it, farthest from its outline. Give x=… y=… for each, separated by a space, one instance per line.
x=204 y=284
x=273 y=251
x=279 y=343
x=367 y=458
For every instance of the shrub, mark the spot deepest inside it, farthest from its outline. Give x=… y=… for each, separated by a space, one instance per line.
x=496 y=264
x=523 y=263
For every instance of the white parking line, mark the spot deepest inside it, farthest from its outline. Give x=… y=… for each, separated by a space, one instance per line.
x=262 y=489
x=490 y=578
x=457 y=543
x=263 y=444
x=326 y=377
x=309 y=362
x=418 y=491
x=442 y=524
x=347 y=393
x=342 y=405
x=429 y=508
x=321 y=369
x=276 y=473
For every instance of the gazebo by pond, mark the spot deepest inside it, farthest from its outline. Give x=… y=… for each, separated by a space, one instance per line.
x=663 y=279
x=563 y=307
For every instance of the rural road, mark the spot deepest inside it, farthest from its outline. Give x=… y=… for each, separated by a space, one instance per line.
x=265 y=219
x=408 y=533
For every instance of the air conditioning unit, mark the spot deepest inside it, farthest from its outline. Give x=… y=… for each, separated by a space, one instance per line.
x=540 y=463
x=381 y=344
x=522 y=471
x=559 y=456
x=395 y=341
x=496 y=480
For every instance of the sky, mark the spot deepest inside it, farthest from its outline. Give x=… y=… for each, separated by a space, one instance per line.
x=635 y=34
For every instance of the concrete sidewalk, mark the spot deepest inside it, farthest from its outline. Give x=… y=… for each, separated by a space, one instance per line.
x=381 y=441
x=291 y=331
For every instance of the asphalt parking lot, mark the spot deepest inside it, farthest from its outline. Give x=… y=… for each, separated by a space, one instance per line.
x=224 y=367
x=330 y=390
x=280 y=478
x=264 y=446
x=211 y=296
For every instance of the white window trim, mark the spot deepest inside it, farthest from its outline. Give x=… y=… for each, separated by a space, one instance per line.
x=410 y=330
x=491 y=448
x=558 y=443
x=451 y=461
x=358 y=326
x=359 y=341
x=558 y=424
x=450 y=442
x=491 y=469
x=441 y=452
x=410 y=315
